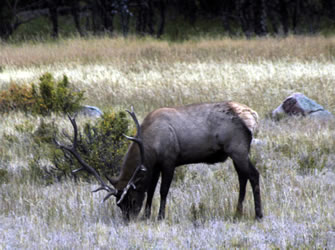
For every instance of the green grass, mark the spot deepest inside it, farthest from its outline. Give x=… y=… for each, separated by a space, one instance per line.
x=295 y=157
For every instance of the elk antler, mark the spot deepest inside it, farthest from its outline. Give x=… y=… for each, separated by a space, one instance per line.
x=137 y=137
x=73 y=150
x=139 y=141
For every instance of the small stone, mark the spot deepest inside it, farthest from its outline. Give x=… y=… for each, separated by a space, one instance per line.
x=90 y=111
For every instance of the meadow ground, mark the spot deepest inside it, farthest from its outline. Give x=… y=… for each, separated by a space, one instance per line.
x=295 y=157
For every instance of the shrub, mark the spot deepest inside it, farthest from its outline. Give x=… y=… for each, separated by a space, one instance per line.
x=17 y=97
x=46 y=97
x=101 y=144
x=105 y=143
x=52 y=96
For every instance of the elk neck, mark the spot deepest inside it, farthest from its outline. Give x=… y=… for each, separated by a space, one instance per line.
x=130 y=163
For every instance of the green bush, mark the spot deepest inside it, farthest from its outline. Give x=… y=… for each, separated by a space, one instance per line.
x=51 y=96
x=17 y=97
x=105 y=143
x=101 y=144
x=45 y=133
x=46 y=97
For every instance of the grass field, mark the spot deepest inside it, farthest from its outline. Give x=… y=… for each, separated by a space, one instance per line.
x=295 y=157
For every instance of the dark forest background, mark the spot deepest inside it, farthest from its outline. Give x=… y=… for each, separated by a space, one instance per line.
x=175 y=19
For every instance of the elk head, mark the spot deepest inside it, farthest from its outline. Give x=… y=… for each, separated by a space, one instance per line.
x=129 y=199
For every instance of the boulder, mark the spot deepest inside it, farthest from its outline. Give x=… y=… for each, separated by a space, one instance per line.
x=299 y=104
x=90 y=111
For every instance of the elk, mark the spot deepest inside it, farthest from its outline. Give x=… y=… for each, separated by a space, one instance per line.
x=171 y=137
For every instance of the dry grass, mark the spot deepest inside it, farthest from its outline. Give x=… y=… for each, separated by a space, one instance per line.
x=149 y=84
x=295 y=157
x=130 y=51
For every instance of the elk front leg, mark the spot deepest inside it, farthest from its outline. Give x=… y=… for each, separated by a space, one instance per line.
x=167 y=175
x=150 y=194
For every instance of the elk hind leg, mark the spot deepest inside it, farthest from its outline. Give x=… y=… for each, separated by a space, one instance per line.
x=243 y=179
x=254 y=180
x=246 y=171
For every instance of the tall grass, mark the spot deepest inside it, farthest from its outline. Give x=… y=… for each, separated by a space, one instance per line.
x=127 y=52
x=295 y=157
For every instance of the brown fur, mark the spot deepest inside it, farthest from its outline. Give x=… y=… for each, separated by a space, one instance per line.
x=248 y=115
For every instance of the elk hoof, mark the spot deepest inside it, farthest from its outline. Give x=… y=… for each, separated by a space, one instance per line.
x=259 y=217
x=145 y=217
x=238 y=213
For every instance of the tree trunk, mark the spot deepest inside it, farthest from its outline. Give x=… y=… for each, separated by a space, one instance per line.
x=6 y=20
x=75 y=15
x=150 y=17
x=259 y=17
x=228 y=9
x=94 y=13
x=162 y=9
x=331 y=9
x=105 y=11
x=124 y=12
x=284 y=16
x=226 y=23
x=296 y=14
x=54 y=18
x=244 y=16
x=141 y=17
x=190 y=11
